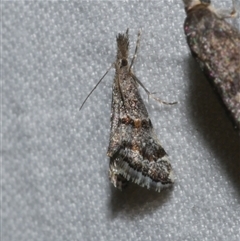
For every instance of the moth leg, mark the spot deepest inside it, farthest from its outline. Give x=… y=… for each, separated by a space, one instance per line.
x=118 y=180
x=226 y=13
x=138 y=81
x=192 y=3
x=152 y=94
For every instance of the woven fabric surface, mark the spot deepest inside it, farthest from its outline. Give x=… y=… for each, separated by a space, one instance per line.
x=54 y=168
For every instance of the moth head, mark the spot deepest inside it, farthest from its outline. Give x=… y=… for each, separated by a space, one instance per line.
x=122 y=63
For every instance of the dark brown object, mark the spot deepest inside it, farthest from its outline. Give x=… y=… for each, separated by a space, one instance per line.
x=215 y=44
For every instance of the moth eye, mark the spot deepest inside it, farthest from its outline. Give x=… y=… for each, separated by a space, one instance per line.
x=124 y=62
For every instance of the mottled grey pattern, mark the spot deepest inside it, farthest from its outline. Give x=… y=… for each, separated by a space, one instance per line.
x=134 y=150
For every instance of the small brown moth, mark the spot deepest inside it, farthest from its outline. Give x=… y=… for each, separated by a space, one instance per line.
x=135 y=152
x=215 y=44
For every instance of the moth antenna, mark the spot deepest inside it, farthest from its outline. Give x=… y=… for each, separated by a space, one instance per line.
x=95 y=87
x=136 y=49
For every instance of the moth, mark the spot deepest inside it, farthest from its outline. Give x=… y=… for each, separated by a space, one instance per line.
x=215 y=44
x=134 y=150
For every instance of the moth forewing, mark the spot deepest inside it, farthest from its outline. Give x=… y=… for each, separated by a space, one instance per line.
x=135 y=152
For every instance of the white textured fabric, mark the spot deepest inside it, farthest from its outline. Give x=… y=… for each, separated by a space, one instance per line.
x=55 y=169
